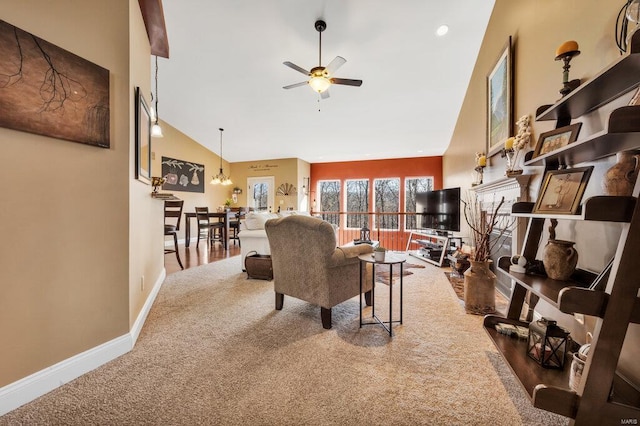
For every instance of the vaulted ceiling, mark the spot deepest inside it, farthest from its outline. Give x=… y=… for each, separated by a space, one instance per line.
x=225 y=69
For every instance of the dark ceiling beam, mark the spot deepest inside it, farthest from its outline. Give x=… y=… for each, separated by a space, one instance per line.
x=153 y=16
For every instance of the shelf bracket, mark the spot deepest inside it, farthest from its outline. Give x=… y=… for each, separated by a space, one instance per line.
x=557 y=400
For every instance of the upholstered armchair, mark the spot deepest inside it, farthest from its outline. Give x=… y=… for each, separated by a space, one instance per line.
x=308 y=266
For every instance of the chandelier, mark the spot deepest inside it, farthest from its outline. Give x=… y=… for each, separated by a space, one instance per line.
x=221 y=178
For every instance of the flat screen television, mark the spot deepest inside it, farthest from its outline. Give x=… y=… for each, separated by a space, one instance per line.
x=439 y=210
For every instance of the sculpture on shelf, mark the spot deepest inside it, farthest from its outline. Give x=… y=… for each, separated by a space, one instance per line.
x=621 y=178
x=157 y=182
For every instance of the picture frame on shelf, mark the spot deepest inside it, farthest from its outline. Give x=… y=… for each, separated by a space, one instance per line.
x=556 y=139
x=500 y=100
x=143 y=138
x=562 y=190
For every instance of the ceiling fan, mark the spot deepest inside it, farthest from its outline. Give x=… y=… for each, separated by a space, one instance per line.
x=322 y=77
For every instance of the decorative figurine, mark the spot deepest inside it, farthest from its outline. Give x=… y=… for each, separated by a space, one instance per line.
x=518 y=264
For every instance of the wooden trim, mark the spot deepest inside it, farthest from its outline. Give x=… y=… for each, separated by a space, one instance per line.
x=153 y=16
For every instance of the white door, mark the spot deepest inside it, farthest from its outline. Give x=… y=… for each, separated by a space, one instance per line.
x=261 y=192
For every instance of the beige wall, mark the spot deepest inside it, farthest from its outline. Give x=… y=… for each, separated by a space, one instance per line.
x=176 y=144
x=287 y=170
x=66 y=211
x=538 y=28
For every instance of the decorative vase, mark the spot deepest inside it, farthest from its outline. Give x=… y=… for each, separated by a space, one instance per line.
x=559 y=259
x=621 y=178
x=479 y=288
x=378 y=256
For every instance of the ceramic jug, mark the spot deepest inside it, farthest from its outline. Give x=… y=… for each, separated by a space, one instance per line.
x=621 y=178
x=560 y=259
x=479 y=289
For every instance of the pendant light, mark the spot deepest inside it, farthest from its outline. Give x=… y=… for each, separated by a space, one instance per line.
x=220 y=178
x=156 y=130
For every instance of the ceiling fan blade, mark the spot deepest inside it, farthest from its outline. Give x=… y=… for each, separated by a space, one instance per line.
x=291 y=86
x=346 y=81
x=325 y=94
x=337 y=62
x=297 y=68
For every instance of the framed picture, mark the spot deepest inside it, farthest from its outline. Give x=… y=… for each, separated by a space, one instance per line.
x=562 y=190
x=556 y=139
x=635 y=99
x=500 y=101
x=143 y=139
x=182 y=175
x=47 y=90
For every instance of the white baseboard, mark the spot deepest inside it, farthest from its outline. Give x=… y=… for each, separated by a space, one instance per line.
x=37 y=384
x=142 y=316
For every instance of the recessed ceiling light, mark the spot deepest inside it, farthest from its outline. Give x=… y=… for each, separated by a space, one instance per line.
x=442 y=30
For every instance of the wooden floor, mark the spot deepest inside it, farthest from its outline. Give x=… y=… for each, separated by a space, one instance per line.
x=193 y=256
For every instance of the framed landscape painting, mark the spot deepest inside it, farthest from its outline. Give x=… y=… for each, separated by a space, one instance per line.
x=500 y=101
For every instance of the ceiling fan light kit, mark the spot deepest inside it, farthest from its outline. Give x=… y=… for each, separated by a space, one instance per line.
x=321 y=77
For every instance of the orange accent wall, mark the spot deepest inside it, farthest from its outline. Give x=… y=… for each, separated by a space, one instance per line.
x=397 y=167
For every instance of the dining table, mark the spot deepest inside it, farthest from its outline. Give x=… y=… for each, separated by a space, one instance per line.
x=225 y=216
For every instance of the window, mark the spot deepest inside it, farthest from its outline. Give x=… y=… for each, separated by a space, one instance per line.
x=387 y=201
x=358 y=202
x=261 y=196
x=329 y=191
x=411 y=187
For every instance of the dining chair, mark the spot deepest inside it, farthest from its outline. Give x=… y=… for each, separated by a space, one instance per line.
x=206 y=228
x=237 y=214
x=172 y=215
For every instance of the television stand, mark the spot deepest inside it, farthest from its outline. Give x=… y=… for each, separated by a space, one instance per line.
x=432 y=248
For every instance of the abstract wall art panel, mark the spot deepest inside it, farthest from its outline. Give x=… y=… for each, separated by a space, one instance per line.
x=49 y=91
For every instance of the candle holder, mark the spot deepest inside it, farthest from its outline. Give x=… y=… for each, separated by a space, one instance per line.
x=547 y=343
x=478 y=175
x=566 y=52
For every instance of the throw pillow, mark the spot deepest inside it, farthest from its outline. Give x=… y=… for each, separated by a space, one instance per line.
x=256 y=220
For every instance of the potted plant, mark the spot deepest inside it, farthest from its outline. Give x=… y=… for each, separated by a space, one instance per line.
x=479 y=280
x=379 y=253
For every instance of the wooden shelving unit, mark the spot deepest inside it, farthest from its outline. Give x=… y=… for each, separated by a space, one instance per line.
x=603 y=396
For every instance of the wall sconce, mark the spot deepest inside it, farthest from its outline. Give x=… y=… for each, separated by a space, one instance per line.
x=237 y=190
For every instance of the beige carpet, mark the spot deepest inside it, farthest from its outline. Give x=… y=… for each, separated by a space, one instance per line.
x=215 y=352
x=383 y=276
